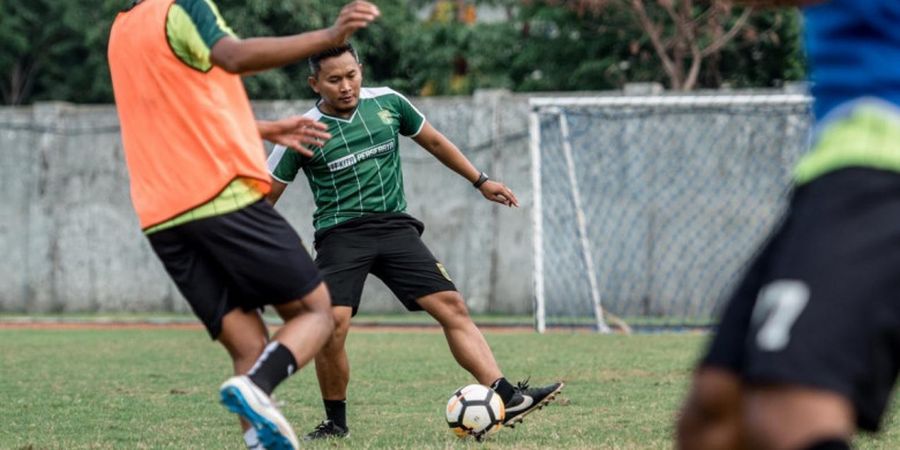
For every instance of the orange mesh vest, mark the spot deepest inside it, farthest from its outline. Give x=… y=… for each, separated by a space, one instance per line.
x=186 y=133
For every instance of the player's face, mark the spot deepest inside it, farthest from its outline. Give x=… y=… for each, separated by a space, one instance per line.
x=338 y=83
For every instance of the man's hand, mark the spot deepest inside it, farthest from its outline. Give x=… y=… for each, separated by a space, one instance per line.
x=497 y=192
x=353 y=16
x=295 y=132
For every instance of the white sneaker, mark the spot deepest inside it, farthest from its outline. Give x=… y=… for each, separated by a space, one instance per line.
x=245 y=399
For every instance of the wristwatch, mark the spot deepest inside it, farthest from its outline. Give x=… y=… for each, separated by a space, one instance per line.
x=482 y=177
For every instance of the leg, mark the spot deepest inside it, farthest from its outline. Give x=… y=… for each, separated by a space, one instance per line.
x=711 y=416
x=345 y=257
x=333 y=372
x=244 y=336
x=421 y=282
x=308 y=324
x=784 y=417
x=332 y=364
x=466 y=342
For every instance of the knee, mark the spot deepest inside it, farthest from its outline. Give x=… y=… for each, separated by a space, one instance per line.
x=341 y=326
x=454 y=303
x=710 y=417
x=315 y=305
x=789 y=417
x=247 y=351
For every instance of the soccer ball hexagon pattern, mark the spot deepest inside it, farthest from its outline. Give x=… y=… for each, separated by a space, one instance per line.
x=475 y=410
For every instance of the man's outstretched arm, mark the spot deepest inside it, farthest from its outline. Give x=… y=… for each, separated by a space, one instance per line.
x=243 y=56
x=447 y=153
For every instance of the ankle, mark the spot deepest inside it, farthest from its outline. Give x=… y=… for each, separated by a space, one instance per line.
x=336 y=412
x=273 y=366
x=504 y=389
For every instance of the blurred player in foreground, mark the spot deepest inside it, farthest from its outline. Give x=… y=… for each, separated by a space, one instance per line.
x=198 y=177
x=808 y=348
x=362 y=228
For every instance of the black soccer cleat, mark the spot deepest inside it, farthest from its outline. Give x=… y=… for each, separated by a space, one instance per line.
x=526 y=399
x=327 y=430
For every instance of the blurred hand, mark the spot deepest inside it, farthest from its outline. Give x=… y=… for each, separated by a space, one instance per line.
x=497 y=192
x=296 y=132
x=355 y=15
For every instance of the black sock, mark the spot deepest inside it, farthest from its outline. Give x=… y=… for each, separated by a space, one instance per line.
x=505 y=390
x=830 y=444
x=336 y=411
x=274 y=365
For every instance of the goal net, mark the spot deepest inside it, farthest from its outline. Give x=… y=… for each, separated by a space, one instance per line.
x=647 y=209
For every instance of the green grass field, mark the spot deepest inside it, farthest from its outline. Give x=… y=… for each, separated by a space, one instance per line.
x=157 y=388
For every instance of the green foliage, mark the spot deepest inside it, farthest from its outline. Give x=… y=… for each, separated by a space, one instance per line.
x=768 y=53
x=56 y=50
x=378 y=44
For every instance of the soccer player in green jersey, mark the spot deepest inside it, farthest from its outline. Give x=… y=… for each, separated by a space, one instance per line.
x=362 y=228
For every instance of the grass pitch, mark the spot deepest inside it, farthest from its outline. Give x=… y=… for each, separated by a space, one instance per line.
x=157 y=388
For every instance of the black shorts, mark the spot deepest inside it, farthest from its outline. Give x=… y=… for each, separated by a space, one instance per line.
x=244 y=259
x=388 y=246
x=820 y=306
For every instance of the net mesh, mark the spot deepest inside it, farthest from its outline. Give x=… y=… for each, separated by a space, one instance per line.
x=675 y=193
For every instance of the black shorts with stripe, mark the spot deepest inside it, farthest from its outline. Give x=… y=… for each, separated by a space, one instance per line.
x=387 y=245
x=245 y=259
x=820 y=305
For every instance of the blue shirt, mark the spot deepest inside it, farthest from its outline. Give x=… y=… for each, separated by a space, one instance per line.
x=854 y=52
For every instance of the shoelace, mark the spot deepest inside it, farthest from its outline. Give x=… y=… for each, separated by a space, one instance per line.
x=521 y=386
x=323 y=426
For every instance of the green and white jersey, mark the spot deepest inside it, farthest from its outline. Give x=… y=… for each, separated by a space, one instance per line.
x=358 y=171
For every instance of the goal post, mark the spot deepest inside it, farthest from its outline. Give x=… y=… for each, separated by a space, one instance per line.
x=647 y=208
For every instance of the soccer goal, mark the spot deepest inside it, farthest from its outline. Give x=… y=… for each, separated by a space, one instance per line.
x=647 y=209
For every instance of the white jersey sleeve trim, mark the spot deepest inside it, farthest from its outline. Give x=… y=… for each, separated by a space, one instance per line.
x=313 y=113
x=279 y=150
x=278 y=179
x=420 y=127
x=376 y=92
x=275 y=158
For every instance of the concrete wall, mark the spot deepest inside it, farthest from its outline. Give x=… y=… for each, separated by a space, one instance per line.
x=71 y=241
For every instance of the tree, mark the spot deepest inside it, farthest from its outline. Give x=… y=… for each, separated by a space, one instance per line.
x=684 y=43
x=684 y=33
x=53 y=50
x=56 y=50
x=28 y=44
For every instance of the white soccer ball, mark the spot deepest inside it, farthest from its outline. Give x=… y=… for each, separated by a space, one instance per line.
x=475 y=410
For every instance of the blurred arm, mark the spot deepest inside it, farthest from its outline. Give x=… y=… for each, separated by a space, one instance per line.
x=242 y=56
x=295 y=133
x=274 y=194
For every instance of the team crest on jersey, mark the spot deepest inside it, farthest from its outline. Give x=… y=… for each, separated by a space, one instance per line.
x=444 y=272
x=386 y=117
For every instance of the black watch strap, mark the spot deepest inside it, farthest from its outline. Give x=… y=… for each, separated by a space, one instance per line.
x=482 y=177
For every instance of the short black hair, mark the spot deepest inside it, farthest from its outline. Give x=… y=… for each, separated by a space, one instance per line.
x=315 y=61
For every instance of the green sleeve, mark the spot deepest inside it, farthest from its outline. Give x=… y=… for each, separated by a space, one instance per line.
x=193 y=27
x=284 y=164
x=411 y=119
